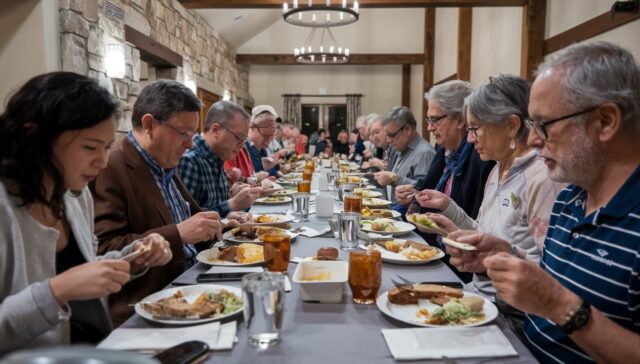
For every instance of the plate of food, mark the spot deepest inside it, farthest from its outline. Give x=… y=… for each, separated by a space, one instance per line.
x=274 y=200
x=426 y=224
x=254 y=234
x=243 y=255
x=432 y=305
x=365 y=193
x=369 y=213
x=194 y=304
x=270 y=219
x=407 y=252
x=388 y=226
x=376 y=202
x=284 y=192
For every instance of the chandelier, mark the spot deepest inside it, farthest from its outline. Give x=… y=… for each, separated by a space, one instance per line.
x=321 y=14
x=323 y=53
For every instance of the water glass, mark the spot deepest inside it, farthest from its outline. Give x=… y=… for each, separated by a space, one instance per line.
x=345 y=189
x=365 y=275
x=331 y=180
x=349 y=224
x=352 y=203
x=301 y=205
x=304 y=186
x=263 y=296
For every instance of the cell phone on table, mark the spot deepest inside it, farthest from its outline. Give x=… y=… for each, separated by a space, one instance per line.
x=220 y=277
x=185 y=353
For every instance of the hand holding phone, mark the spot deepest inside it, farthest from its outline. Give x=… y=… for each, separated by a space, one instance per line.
x=185 y=353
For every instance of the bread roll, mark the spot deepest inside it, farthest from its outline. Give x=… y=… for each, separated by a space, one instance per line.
x=327 y=253
x=402 y=296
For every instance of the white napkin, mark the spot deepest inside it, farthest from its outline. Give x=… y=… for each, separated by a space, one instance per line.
x=218 y=337
x=434 y=343
x=312 y=233
x=232 y=269
x=287 y=284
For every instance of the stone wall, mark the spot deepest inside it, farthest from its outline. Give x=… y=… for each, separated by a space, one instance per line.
x=208 y=60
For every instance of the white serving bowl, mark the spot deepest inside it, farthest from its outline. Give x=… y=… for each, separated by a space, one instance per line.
x=321 y=280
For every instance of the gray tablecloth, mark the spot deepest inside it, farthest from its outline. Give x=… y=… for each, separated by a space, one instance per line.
x=333 y=333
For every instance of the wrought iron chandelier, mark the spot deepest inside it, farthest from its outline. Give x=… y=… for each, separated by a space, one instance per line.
x=324 y=53
x=321 y=14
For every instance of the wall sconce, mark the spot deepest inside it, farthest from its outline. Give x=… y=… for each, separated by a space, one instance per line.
x=114 y=61
x=191 y=85
x=226 y=95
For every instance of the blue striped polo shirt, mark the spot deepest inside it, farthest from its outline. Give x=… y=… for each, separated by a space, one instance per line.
x=595 y=256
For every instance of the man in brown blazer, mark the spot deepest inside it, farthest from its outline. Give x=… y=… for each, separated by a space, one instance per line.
x=140 y=193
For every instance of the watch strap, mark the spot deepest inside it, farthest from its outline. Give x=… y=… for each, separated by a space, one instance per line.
x=577 y=318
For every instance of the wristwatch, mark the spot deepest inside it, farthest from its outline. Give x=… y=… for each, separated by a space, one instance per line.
x=577 y=318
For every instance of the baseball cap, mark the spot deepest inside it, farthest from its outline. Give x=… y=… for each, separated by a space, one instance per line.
x=262 y=108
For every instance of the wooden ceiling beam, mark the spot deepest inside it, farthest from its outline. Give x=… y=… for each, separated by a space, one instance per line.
x=265 y=4
x=356 y=59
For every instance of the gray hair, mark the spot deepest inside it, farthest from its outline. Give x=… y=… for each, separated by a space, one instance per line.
x=600 y=72
x=499 y=98
x=450 y=97
x=401 y=115
x=222 y=112
x=372 y=118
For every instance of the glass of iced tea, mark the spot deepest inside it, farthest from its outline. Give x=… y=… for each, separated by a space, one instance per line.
x=277 y=251
x=307 y=174
x=304 y=187
x=352 y=203
x=365 y=275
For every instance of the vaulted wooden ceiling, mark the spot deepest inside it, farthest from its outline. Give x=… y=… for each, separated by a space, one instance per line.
x=254 y=4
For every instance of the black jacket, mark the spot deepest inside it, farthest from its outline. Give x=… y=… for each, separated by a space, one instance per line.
x=467 y=189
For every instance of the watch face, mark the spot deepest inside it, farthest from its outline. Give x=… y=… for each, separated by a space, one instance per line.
x=581 y=318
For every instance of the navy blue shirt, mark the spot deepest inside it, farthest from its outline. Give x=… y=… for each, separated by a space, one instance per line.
x=256 y=159
x=595 y=256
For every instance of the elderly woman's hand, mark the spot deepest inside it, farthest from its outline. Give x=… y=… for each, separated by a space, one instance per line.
x=433 y=199
x=404 y=194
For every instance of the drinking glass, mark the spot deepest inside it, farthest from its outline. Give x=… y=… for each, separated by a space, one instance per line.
x=352 y=203
x=277 y=252
x=349 y=224
x=365 y=275
x=307 y=174
x=304 y=186
x=301 y=205
x=263 y=296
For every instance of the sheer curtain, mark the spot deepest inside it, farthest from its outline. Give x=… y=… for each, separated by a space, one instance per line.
x=353 y=110
x=292 y=110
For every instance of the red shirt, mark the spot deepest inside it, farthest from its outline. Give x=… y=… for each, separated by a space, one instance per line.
x=242 y=161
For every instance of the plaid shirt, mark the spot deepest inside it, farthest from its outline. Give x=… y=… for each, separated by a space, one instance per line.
x=179 y=207
x=203 y=173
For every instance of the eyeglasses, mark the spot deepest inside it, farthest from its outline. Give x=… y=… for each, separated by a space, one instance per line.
x=266 y=136
x=435 y=120
x=185 y=135
x=393 y=135
x=238 y=139
x=472 y=130
x=541 y=127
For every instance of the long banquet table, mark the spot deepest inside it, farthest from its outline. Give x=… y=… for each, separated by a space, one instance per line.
x=339 y=332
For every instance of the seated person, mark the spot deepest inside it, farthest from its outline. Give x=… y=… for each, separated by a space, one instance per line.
x=139 y=191
x=202 y=167
x=54 y=287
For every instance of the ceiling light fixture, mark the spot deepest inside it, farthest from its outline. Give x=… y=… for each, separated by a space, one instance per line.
x=321 y=14
x=322 y=53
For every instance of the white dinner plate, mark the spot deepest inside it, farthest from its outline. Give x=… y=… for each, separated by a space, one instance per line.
x=208 y=257
x=228 y=236
x=277 y=219
x=403 y=227
x=397 y=258
x=190 y=293
x=408 y=313
x=376 y=202
x=394 y=214
x=365 y=193
x=284 y=192
x=266 y=201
